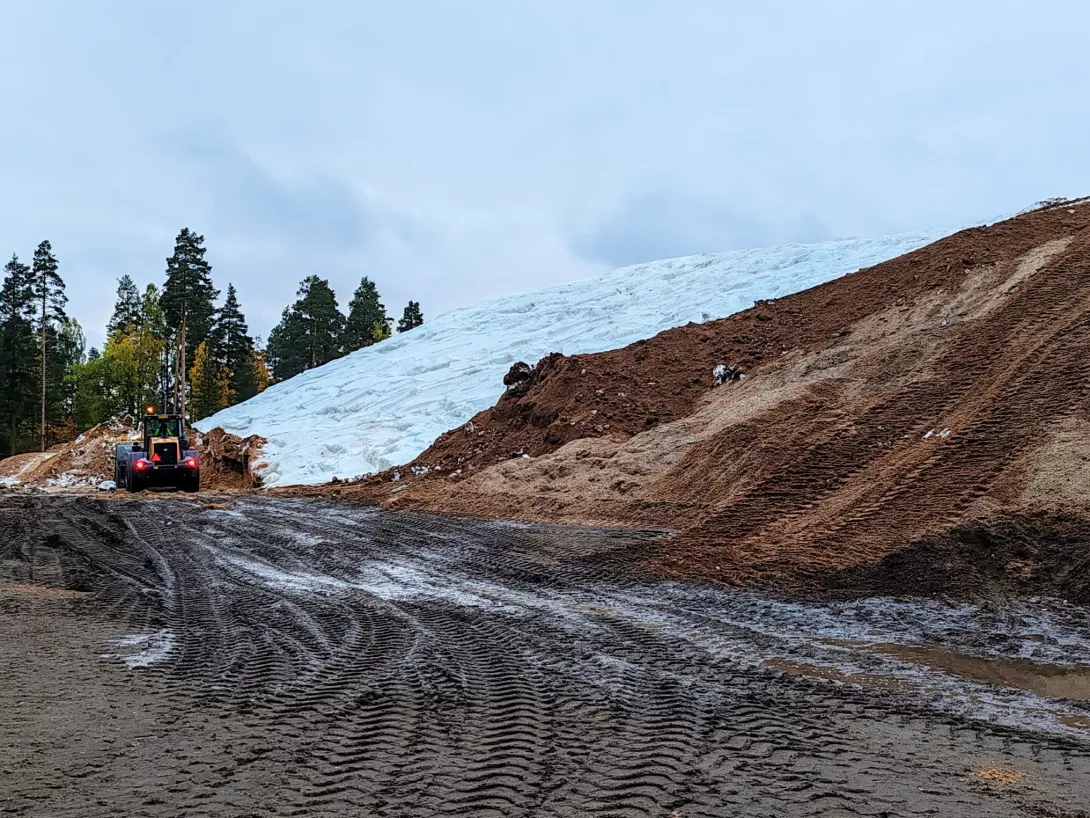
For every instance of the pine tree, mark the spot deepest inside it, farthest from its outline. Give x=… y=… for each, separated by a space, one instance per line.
x=156 y=324
x=234 y=348
x=364 y=311
x=380 y=332
x=308 y=334
x=17 y=354
x=48 y=289
x=69 y=349
x=129 y=307
x=211 y=391
x=188 y=303
x=411 y=317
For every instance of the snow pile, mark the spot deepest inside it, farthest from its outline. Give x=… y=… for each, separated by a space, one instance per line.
x=382 y=406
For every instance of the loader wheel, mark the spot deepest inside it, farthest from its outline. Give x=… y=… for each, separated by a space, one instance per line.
x=192 y=485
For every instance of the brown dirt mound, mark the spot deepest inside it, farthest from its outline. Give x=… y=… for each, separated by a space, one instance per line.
x=83 y=462
x=880 y=411
x=226 y=460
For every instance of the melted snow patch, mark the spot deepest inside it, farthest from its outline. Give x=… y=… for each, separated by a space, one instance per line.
x=147 y=648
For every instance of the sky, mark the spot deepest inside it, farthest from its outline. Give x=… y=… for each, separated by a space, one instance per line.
x=458 y=151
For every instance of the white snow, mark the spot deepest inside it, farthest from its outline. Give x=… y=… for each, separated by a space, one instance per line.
x=148 y=648
x=383 y=405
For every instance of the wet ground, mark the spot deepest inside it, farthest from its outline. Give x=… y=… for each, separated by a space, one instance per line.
x=283 y=657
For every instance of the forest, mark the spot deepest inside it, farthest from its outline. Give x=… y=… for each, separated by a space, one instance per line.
x=174 y=344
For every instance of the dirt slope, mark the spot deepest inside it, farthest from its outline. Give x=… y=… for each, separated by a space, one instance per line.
x=941 y=392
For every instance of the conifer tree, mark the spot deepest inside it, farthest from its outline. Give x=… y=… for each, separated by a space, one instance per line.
x=48 y=289
x=364 y=311
x=411 y=317
x=155 y=323
x=309 y=334
x=17 y=354
x=234 y=348
x=380 y=332
x=129 y=307
x=188 y=303
x=211 y=391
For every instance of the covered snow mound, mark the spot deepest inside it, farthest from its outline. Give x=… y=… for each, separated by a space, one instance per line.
x=383 y=405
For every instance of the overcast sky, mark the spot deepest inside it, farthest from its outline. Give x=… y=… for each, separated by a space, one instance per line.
x=455 y=151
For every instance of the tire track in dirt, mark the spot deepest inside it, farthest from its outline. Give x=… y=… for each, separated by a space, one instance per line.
x=410 y=665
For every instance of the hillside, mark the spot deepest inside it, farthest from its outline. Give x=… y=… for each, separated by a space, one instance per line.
x=385 y=404
x=920 y=426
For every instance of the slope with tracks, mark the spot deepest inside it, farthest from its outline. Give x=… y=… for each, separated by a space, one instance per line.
x=917 y=407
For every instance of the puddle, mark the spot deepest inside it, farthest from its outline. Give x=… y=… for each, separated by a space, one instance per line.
x=1050 y=681
x=1077 y=722
x=41 y=592
x=870 y=680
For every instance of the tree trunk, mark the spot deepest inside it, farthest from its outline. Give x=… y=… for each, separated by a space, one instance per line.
x=181 y=349
x=43 y=369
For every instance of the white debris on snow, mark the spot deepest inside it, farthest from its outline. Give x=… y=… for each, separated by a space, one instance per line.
x=383 y=405
x=106 y=485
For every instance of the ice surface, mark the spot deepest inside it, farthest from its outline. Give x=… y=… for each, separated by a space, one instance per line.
x=383 y=405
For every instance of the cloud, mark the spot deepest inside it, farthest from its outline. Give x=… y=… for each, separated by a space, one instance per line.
x=456 y=152
x=255 y=201
x=664 y=225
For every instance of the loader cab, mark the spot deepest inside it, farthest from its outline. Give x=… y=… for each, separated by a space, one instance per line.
x=162 y=437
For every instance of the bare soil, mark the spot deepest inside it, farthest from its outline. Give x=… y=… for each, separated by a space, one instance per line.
x=283 y=657
x=882 y=414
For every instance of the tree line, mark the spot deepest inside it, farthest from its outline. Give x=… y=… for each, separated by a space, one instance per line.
x=170 y=345
x=314 y=331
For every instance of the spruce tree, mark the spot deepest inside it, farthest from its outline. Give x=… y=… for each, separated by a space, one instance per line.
x=69 y=350
x=309 y=334
x=17 y=354
x=411 y=317
x=49 y=298
x=364 y=311
x=188 y=303
x=128 y=309
x=234 y=348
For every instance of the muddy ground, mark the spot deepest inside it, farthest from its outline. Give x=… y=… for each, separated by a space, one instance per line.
x=260 y=656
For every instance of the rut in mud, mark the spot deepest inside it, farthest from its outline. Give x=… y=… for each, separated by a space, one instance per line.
x=401 y=664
